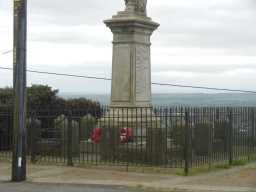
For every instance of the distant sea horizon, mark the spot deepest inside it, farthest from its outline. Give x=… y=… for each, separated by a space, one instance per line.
x=178 y=99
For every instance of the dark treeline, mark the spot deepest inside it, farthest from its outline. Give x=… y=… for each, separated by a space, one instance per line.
x=47 y=114
x=43 y=97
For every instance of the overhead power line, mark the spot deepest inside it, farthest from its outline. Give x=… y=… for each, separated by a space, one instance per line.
x=153 y=83
x=6 y=52
x=202 y=87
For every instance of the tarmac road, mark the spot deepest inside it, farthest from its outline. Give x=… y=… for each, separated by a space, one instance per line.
x=45 y=187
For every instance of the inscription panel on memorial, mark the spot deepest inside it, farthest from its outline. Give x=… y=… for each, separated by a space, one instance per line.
x=121 y=73
x=143 y=84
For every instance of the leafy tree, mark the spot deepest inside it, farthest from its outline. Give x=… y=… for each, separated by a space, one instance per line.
x=39 y=96
x=43 y=97
x=6 y=96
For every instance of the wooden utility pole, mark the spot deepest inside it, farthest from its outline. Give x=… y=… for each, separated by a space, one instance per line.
x=19 y=86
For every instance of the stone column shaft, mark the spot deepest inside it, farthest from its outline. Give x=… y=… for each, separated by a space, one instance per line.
x=131 y=67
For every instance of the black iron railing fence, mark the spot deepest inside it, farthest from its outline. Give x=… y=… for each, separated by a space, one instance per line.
x=171 y=137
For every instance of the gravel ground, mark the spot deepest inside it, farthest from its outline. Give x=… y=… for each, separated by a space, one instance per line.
x=46 y=187
x=239 y=179
x=242 y=177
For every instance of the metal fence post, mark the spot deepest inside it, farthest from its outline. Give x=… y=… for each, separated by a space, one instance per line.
x=69 y=140
x=230 y=136
x=251 y=147
x=33 y=138
x=187 y=143
x=210 y=138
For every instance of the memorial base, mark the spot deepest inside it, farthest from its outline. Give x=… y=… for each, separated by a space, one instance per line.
x=146 y=144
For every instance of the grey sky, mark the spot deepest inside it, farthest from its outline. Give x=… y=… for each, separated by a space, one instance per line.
x=208 y=43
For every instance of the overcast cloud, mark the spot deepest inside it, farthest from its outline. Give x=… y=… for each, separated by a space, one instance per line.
x=199 y=42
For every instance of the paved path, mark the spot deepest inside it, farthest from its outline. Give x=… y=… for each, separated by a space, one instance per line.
x=239 y=179
x=46 y=187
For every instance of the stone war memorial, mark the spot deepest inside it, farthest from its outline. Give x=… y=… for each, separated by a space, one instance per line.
x=190 y=132
x=131 y=106
x=131 y=67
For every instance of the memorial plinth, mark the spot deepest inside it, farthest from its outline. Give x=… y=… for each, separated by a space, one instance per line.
x=131 y=65
x=131 y=81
